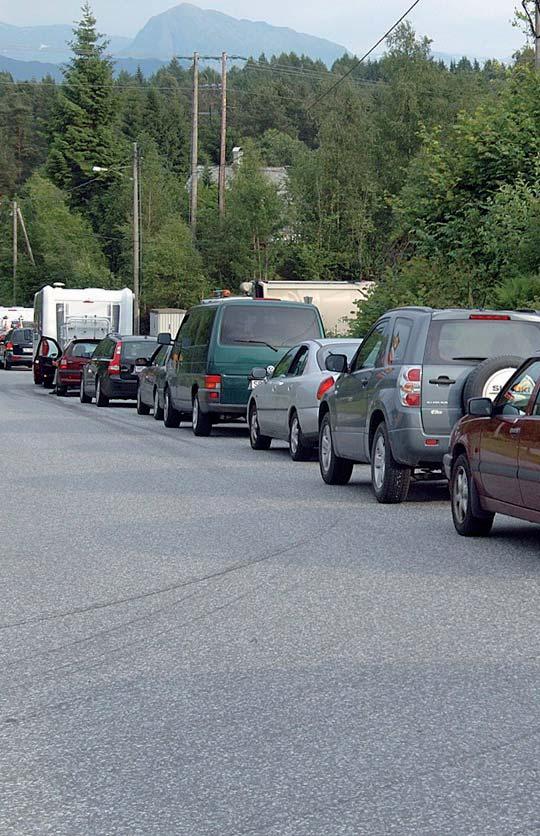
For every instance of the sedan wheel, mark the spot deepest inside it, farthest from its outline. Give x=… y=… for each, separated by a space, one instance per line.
x=171 y=416
x=101 y=398
x=334 y=469
x=299 y=450
x=469 y=519
x=158 y=410
x=257 y=441
x=83 y=397
x=142 y=407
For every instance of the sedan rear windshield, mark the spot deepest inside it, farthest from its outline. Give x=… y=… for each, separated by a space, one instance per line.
x=471 y=340
x=22 y=335
x=348 y=349
x=84 y=349
x=131 y=351
x=268 y=325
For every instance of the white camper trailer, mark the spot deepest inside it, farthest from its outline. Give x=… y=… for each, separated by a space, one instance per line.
x=65 y=313
x=14 y=316
x=336 y=301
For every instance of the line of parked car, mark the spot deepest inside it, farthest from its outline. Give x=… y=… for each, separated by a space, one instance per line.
x=427 y=394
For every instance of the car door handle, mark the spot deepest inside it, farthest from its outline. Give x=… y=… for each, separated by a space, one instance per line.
x=515 y=430
x=443 y=380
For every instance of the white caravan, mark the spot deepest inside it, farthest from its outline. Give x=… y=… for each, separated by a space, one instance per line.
x=336 y=301
x=64 y=313
x=14 y=315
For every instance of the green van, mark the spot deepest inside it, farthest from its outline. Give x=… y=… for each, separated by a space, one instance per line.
x=218 y=344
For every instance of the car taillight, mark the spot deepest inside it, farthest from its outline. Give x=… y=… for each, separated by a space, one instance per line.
x=9 y=346
x=496 y=317
x=114 y=363
x=213 y=383
x=410 y=386
x=324 y=386
x=63 y=364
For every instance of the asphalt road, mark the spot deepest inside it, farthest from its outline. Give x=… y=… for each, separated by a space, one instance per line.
x=198 y=639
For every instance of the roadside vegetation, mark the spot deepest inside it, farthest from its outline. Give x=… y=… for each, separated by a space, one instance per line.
x=421 y=176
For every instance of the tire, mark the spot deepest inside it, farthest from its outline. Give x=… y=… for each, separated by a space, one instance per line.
x=486 y=380
x=7 y=365
x=334 y=469
x=201 y=422
x=390 y=480
x=142 y=408
x=60 y=390
x=37 y=377
x=158 y=410
x=298 y=448
x=257 y=441
x=101 y=399
x=83 y=397
x=462 y=491
x=171 y=416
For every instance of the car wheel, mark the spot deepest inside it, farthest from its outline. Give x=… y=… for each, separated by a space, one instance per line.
x=462 y=493
x=201 y=422
x=83 y=397
x=7 y=365
x=334 y=469
x=257 y=441
x=390 y=480
x=101 y=399
x=299 y=450
x=158 y=410
x=171 y=416
x=60 y=390
x=142 y=408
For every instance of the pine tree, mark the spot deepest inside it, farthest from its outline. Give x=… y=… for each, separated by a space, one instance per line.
x=83 y=134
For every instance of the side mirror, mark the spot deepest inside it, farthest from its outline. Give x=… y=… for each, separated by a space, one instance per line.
x=337 y=363
x=258 y=373
x=480 y=407
x=164 y=339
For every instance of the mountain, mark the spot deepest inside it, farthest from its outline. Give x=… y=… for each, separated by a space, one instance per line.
x=44 y=43
x=187 y=28
x=29 y=70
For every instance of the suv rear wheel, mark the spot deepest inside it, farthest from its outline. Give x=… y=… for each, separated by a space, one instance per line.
x=171 y=416
x=257 y=441
x=462 y=492
x=390 y=480
x=334 y=469
x=201 y=422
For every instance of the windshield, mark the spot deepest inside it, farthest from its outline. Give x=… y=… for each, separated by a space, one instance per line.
x=471 y=340
x=84 y=349
x=271 y=325
x=348 y=349
x=132 y=351
x=22 y=335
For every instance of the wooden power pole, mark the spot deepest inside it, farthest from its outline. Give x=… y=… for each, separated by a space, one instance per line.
x=194 y=146
x=136 y=242
x=537 y=35
x=223 y=148
x=15 y=250
x=26 y=238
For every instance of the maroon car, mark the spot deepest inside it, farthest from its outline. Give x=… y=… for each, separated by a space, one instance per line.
x=494 y=459
x=69 y=367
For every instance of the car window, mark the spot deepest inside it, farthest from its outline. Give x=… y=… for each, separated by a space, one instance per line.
x=277 y=325
x=133 y=349
x=285 y=363
x=348 y=349
x=536 y=407
x=105 y=349
x=48 y=348
x=22 y=335
x=372 y=351
x=400 y=338
x=82 y=349
x=204 y=328
x=160 y=355
x=299 y=363
x=466 y=340
x=516 y=395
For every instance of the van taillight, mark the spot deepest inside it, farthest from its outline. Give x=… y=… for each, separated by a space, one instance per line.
x=410 y=386
x=212 y=381
x=325 y=386
x=114 y=363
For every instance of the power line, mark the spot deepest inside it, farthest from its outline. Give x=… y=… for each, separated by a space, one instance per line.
x=363 y=58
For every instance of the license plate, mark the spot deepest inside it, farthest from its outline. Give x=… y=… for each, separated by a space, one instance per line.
x=27 y=351
x=254 y=383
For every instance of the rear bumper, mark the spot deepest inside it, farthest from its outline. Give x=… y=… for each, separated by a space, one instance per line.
x=409 y=447
x=216 y=407
x=19 y=359
x=68 y=379
x=121 y=389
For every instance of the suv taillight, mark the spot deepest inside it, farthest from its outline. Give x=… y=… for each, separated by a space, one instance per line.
x=325 y=385
x=410 y=386
x=9 y=346
x=114 y=363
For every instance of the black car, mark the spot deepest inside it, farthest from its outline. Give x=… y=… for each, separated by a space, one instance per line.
x=112 y=373
x=151 y=383
x=16 y=348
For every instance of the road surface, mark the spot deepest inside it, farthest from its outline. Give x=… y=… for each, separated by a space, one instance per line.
x=201 y=640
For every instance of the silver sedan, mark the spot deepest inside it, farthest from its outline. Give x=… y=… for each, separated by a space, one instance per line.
x=284 y=403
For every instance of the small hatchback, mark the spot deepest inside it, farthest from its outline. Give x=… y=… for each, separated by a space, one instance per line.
x=112 y=373
x=16 y=348
x=69 y=367
x=494 y=460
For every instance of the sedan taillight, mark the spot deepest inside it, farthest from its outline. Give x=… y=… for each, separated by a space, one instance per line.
x=324 y=387
x=410 y=386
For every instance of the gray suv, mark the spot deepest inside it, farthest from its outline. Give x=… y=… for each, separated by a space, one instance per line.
x=395 y=405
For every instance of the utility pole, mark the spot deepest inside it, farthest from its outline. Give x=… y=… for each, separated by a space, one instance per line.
x=223 y=149
x=537 y=35
x=194 y=146
x=136 y=241
x=15 y=251
x=26 y=238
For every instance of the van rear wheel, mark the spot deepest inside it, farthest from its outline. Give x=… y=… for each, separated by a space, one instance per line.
x=201 y=422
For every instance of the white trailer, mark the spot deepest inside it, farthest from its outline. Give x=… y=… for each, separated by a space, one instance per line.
x=165 y=320
x=336 y=301
x=65 y=313
x=14 y=316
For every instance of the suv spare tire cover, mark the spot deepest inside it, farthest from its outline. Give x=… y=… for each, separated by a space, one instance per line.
x=489 y=377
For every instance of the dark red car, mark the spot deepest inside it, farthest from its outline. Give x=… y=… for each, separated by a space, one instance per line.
x=494 y=459
x=69 y=367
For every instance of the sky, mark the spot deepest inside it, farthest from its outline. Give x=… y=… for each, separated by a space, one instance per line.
x=471 y=27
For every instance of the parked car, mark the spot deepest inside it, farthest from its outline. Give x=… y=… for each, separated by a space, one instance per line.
x=112 y=371
x=397 y=402
x=151 y=383
x=218 y=344
x=47 y=354
x=494 y=459
x=70 y=364
x=16 y=348
x=285 y=403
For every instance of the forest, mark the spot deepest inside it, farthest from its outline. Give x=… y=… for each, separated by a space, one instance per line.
x=421 y=176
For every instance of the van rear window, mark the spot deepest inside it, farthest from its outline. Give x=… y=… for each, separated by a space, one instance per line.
x=275 y=325
x=470 y=340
